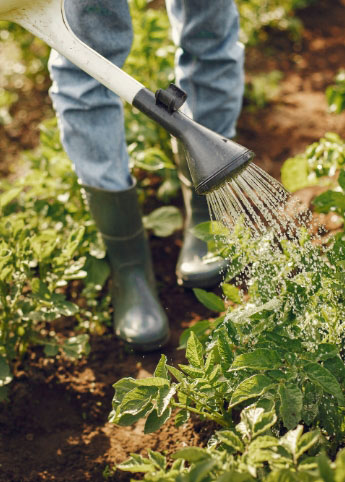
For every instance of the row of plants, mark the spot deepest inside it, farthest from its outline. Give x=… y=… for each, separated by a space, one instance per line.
x=269 y=371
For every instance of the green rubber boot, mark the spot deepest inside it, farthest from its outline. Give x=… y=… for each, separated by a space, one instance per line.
x=192 y=270
x=139 y=318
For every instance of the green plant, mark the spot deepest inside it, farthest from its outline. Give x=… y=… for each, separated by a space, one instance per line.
x=335 y=94
x=262 y=89
x=275 y=362
x=320 y=160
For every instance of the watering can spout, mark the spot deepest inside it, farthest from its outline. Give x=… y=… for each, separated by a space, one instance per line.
x=211 y=157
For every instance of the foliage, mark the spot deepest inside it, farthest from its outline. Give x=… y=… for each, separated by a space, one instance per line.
x=262 y=89
x=258 y=17
x=7 y=98
x=335 y=94
x=320 y=159
x=268 y=370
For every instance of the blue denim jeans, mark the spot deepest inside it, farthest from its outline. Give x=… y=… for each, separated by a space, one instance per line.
x=209 y=67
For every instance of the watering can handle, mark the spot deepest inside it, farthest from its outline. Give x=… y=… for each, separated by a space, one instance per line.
x=47 y=20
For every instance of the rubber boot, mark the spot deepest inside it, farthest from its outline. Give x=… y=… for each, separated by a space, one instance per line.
x=192 y=270
x=139 y=318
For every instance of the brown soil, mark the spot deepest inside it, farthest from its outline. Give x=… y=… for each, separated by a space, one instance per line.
x=55 y=424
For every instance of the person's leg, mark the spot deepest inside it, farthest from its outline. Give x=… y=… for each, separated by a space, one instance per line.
x=209 y=61
x=90 y=116
x=92 y=127
x=209 y=68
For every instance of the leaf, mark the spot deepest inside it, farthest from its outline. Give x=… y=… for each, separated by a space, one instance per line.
x=126 y=419
x=194 y=351
x=201 y=470
x=330 y=199
x=157 y=459
x=291 y=403
x=340 y=466
x=161 y=368
x=8 y=196
x=325 y=468
x=324 y=378
x=5 y=372
x=225 y=351
x=254 y=421
x=152 y=382
x=259 y=359
x=307 y=441
x=77 y=346
x=137 y=463
x=209 y=230
x=191 y=454
x=290 y=439
x=232 y=293
x=51 y=349
x=98 y=271
x=294 y=173
x=341 y=179
x=165 y=394
x=176 y=373
x=164 y=220
x=250 y=388
x=192 y=371
x=230 y=439
x=210 y=300
x=181 y=417
x=137 y=399
x=154 y=421
x=66 y=308
x=200 y=328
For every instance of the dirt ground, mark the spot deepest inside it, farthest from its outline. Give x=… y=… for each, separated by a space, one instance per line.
x=54 y=426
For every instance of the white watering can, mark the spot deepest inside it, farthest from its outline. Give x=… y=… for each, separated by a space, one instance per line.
x=212 y=158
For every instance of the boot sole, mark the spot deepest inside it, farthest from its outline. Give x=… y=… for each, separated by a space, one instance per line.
x=201 y=283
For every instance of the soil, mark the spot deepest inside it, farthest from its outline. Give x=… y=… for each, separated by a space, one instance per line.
x=54 y=426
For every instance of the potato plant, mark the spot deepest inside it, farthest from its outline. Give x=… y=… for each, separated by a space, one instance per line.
x=269 y=371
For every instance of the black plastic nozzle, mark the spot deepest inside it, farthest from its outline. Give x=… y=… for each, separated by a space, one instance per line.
x=211 y=158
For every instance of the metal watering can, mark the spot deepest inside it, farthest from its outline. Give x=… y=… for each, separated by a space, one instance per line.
x=211 y=158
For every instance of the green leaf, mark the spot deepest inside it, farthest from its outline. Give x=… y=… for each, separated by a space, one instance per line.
x=8 y=196
x=325 y=468
x=192 y=372
x=66 y=308
x=324 y=378
x=157 y=459
x=194 y=351
x=209 y=230
x=259 y=359
x=291 y=403
x=328 y=200
x=151 y=382
x=165 y=394
x=51 y=349
x=5 y=372
x=191 y=454
x=341 y=179
x=77 y=346
x=201 y=470
x=224 y=346
x=254 y=421
x=154 y=421
x=230 y=439
x=164 y=220
x=232 y=293
x=126 y=419
x=98 y=271
x=290 y=440
x=161 y=368
x=250 y=388
x=340 y=466
x=137 y=463
x=210 y=300
x=181 y=418
x=137 y=399
x=306 y=441
x=294 y=173
x=176 y=373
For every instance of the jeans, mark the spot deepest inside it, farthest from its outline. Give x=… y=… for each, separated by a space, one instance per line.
x=208 y=67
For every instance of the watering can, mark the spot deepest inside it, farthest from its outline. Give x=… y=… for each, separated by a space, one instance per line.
x=211 y=158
